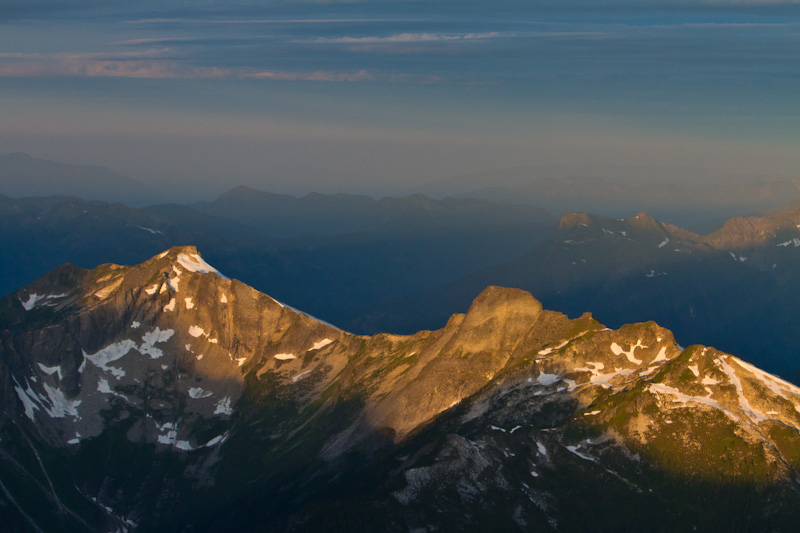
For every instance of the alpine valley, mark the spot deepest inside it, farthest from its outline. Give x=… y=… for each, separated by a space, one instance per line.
x=167 y=397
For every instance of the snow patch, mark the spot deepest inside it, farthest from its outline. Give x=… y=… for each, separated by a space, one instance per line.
x=196 y=331
x=217 y=440
x=664 y=242
x=604 y=380
x=598 y=378
x=28 y=398
x=661 y=389
x=31 y=301
x=111 y=353
x=59 y=405
x=169 y=438
x=170 y=306
x=223 y=299
x=744 y=403
x=541 y=448
x=104 y=387
x=195 y=263
x=617 y=350
x=151 y=290
x=135 y=325
x=50 y=370
x=773 y=383
x=198 y=393
x=300 y=376
x=321 y=344
x=547 y=379
x=149 y=340
x=662 y=355
x=189 y=303
x=649 y=370
x=223 y=407
x=173 y=282
x=285 y=356
x=108 y=289
x=574 y=449
x=695 y=370
x=548 y=351
x=150 y=230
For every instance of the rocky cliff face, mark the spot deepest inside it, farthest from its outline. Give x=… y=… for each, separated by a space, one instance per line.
x=165 y=396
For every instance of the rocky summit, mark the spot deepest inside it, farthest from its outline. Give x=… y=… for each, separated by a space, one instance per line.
x=167 y=397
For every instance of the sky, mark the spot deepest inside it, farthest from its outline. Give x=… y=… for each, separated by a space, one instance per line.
x=380 y=97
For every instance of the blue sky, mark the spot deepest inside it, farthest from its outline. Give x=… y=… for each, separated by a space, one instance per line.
x=382 y=96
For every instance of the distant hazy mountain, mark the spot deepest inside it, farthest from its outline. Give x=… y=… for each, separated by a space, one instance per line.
x=166 y=397
x=38 y=234
x=737 y=288
x=22 y=175
x=317 y=214
x=402 y=247
x=686 y=202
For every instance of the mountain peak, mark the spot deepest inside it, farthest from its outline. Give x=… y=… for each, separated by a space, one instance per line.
x=569 y=220
x=185 y=258
x=642 y=216
x=499 y=313
x=506 y=300
x=643 y=221
x=181 y=249
x=16 y=156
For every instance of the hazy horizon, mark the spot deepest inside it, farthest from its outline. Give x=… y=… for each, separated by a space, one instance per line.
x=383 y=97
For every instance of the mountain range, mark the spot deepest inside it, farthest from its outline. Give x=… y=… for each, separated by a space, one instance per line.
x=22 y=175
x=168 y=397
x=332 y=275
x=694 y=198
x=736 y=288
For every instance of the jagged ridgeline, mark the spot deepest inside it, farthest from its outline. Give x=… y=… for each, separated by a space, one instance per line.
x=167 y=397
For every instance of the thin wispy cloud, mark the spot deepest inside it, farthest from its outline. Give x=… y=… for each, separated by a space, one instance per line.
x=411 y=38
x=16 y=65
x=158 y=40
x=92 y=67
x=714 y=69
x=201 y=20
